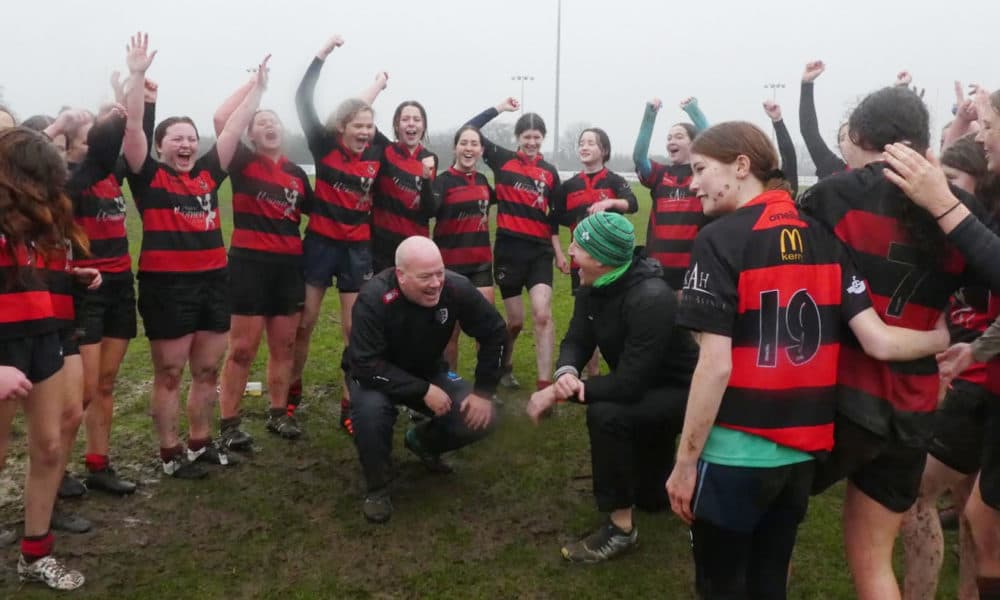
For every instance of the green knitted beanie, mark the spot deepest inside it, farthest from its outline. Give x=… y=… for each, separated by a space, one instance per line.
x=608 y=237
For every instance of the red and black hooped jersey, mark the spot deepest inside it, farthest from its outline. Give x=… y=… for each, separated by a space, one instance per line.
x=859 y=207
x=968 y=318
x=524 y=187
x=345 y=184
x=100 y=211
x=781 y=287
x=403 y=205
x=180 y=216
x=462 y=224
x=60 y=283
x=26 y=306
x=675 y=219
x=268 y=201
x=578 y=193
x=98 y=203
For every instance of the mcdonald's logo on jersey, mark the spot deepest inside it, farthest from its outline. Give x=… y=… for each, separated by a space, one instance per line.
x=791 y=246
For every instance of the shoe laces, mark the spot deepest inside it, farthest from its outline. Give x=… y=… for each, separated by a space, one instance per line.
x=50 y=568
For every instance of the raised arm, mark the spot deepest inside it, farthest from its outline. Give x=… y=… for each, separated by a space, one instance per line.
x=827 y=163
x=640 y=153
x=786 y=149
x=134 y=145
x=304 y=105
x=965 y=120
x=370 y=93
x=490 y=148
x=229 y=138
x=67 y=120
x=230 y=105
x=104 y=143
x=698 y=118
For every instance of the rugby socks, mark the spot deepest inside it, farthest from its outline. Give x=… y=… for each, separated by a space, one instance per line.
x=168 y=454
x=34 y=547
x=294 y=396
x=989 y=588
x=96 y=462
x=195 y=444
x=277 y=413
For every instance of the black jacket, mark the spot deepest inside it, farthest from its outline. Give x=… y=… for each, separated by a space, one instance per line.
x=396 y=346
x=632 y=322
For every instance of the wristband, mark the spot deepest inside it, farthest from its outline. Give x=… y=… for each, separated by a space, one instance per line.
x=563 y=371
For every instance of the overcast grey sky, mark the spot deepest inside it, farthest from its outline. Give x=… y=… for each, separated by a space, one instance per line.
x=457 y=56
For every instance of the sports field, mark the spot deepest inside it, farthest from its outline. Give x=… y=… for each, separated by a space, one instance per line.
x=287 y=524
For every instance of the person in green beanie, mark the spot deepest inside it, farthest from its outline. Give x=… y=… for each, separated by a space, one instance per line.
x=634 y=413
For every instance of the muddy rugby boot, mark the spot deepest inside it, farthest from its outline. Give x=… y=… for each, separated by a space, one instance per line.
x=180 y=467
x=49 y=571
x=70 y=487
x=214 y=454
x=232 y=437
x=284 y=425
x=69 y=522
x=106 y=480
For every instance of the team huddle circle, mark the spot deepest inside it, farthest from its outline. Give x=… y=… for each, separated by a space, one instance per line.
x=765 y=338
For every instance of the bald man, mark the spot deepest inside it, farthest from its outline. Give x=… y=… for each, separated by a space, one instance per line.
x=403 y=320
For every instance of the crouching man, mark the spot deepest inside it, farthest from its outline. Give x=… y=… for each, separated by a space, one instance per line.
x=403 y=320
x=634 y=413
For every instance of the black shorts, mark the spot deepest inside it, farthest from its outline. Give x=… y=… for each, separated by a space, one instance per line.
x=38 y=357
x=268 y=289
x=520 y=264
x=323 y=259
x=989 y=474
x=69 y=340
x=108 y=311
x=481 y=279
x=178 y=305
x=959 y=423
x=885 y=469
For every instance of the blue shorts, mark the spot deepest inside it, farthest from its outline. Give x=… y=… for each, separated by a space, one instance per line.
x=323 y=259
x=737 y=498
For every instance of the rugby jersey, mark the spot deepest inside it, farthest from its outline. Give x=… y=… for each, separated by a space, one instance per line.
x=404 y=200
x=462 y=223
x=344 y=179
x=59 y=280
x=99 y=206
x=780 y=286
x=524 y=187
x=908 y=289
x=675 y=218
x=180 y=216
x=968 y=318
x=268 y=201
x=581 y=191
x=26 y=307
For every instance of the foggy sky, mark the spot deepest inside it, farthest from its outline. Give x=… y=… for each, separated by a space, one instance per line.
x=457 y=56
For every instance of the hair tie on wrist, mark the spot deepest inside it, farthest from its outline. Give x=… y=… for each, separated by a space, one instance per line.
x=945 y=213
